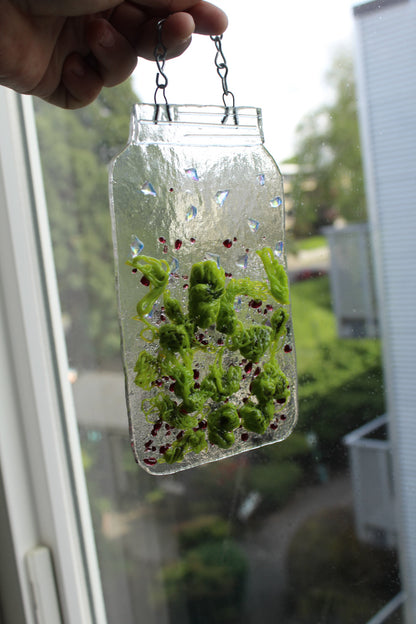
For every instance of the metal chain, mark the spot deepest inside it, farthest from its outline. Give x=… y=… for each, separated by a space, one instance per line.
x=222 y=71
x=160 y=53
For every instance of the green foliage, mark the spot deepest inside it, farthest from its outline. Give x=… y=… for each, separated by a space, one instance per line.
x=309 y=243
x=211 y=578
x=178 y=343
x=275 y=482
x=207 y=481
x=253 y=342
x=333 y=576
x=334 y=409
x=340 y=381
x=155 y=497
x=206 y=286
x=76 y=148
x=276 y=274
x=221 y=423
x=201 y=530
x=294 y=448
x=208 y=580
x=190 y=441
x=157 y=274
x=253 y=418
x=330 y=179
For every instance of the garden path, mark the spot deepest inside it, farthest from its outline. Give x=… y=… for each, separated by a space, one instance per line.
x=267 y=547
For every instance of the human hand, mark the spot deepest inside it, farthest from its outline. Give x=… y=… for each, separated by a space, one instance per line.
x=65 y=51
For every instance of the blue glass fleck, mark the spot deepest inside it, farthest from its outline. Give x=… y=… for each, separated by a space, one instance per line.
x=147 y=189
x=276 y=202
x=191 y=214
x=220 y=197
x=174 y=265
x=215 y=257
x=253 y=225
x=136 y=246
x=151 y=313
x=242 y=261
x=279 y=250
x=237 y=304
x=192 y=173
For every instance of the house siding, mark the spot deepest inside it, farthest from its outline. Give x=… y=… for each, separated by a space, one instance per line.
x=386 y=83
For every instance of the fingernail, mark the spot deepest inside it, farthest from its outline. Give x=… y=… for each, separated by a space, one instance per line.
x=186 y=40
x=106 y=38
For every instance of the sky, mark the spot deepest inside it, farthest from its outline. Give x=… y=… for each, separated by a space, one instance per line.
x=277 y=52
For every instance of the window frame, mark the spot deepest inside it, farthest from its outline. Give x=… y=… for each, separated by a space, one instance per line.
x=43 y=481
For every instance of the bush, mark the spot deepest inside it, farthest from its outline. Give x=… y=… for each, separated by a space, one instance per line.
x=332 y=411
x=216 y=487
x=294 y=447
x=340 y=380
x=210 y=579
x=202 y=530
x=332 y=575
x=275 y=483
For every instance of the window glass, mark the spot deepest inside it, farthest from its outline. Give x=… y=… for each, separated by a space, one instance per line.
x=298 y=532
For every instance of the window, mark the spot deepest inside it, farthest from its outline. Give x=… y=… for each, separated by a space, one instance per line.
x=302 y=531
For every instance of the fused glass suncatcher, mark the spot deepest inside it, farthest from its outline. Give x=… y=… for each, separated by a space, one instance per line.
x=198 y=224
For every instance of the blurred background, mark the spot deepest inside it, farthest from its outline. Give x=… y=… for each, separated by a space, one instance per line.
x=301 y=532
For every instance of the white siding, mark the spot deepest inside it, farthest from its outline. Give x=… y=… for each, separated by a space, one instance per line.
x=386 y=68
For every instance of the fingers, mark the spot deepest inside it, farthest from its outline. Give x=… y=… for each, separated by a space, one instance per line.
x=112 y=60
x=209 y=19
x=164 y=6
x=80 y=84
x=138 y=25
x=115 y=57
x=84 y=7
x=115 y=39
x=67 y=8
x=176 y=36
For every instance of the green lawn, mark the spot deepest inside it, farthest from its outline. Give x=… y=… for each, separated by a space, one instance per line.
x=312 y=242
x=313 y=320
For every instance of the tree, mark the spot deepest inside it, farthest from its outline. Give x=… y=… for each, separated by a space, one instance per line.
x=330 y=179
x=76 y=147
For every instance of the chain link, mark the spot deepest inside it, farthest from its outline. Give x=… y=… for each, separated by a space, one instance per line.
x=160 y=53
x=222 y=71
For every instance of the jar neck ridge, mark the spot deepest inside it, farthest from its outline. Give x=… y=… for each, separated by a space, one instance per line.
x=196 y=125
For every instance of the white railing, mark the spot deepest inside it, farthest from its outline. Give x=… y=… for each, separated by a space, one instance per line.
x=388 y=609
x=372 y=478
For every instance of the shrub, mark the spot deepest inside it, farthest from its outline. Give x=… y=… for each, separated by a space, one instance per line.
x=210 y=579
x=202 y=530
x=340 y=380
x=294 y=447
x=331 y=573
x=275 y=483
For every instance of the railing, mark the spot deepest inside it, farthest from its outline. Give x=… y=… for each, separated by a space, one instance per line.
x=388 y=609
x=372 y=478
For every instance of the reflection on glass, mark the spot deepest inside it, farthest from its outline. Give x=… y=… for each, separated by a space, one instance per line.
x=268 y=536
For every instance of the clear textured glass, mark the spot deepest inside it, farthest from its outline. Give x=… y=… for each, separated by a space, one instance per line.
x=198 y=227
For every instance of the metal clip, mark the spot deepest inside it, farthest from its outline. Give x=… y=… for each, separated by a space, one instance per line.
x=160 y=53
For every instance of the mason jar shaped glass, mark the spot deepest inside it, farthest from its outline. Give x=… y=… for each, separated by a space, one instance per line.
x=198 y=225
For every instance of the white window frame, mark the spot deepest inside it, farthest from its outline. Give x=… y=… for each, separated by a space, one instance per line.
x=43 y=484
